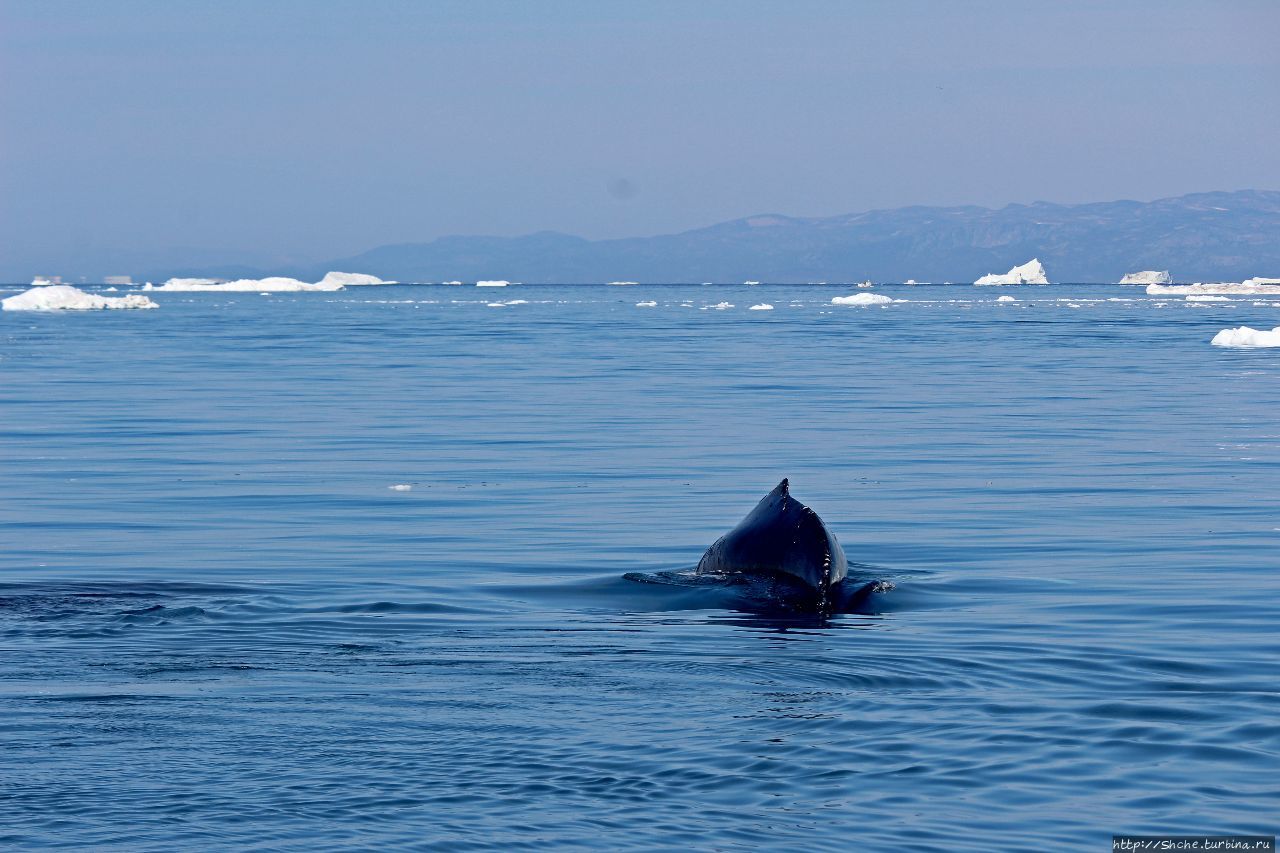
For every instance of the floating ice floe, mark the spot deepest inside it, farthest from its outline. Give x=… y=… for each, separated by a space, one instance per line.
x=1207 y=297
x=719 y=306
x=763 y=306
x=1252 y=285
x=401 y=487
x=865 y=284
x=1032 y=272
x=1147 y=277
x=349 y=279
x=1005 y=299
x=648 y=303
x=272 y=284
x=751 y=282
x=622 y=283
x=64 y=297
x=1247 y=338
x=861 y=299
x=494 y=283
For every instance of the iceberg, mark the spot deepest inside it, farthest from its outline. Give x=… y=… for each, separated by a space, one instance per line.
x=648 y=303
x=274 y=284
x=1006 y=299
x=64 y=297
x=495 y=283
x=1147 y=277
x=861 y=299
x=763 y=306
x=348 y=279
x=1252 y=285
x=1247 y=338
x=1032 y=272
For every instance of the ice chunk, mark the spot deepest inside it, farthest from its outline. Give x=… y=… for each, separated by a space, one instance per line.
x=622 y=283
x=763 y=306
x=273 y=284
x=752 y=283
x=1032 y=272
x=494 y=283
x=400 y=487
x=1207 y=297
x=1147 y=277
x=348 y=279
x=1252 y=285
x=865 y=284
x=647 y=304
x=861 y=299
x=64 y=297
x=1247 y=338
x=1006 y=299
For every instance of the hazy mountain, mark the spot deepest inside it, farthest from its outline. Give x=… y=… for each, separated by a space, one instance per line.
x=1202 y=236
x=1205 y=236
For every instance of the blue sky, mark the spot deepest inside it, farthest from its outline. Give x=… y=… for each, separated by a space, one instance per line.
x=316 y=129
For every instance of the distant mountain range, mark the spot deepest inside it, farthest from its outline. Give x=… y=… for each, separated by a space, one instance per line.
x=1203 y=236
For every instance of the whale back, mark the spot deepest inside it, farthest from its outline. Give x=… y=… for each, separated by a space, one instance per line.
x=781 y=536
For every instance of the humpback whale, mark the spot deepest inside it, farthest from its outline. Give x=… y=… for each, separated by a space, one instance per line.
x=784 y=541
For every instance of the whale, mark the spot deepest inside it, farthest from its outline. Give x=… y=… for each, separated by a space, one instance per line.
x=784 y=542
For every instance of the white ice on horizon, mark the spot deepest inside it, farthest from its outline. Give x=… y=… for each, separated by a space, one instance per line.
x=649 y=303
x=861 y=299
x=1251 y=285
x=401 y=487
x=493 y=283
x=348 y=279
x=1032 y=272
x=1247 y=338
x=763 y=306
x=272 y=284
x=64 y=297
x=1005 y=299
x=1206 y=297
x=1147 y=277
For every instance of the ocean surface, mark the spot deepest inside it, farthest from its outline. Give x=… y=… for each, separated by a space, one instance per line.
x=222 y=628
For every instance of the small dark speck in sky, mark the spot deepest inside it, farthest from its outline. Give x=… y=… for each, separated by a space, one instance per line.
x=622 y=189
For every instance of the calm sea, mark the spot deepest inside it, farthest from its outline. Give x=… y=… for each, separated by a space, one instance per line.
x=221 y=628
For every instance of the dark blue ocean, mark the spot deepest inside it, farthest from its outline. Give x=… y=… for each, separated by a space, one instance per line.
x=221 y=628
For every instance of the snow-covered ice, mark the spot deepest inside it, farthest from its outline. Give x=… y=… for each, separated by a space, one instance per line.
x=861 y=299
x=1005 y=299
x=763 y=306
x=1247 y=338
x=1252 y=285
x=271 y=284
x=648 y=303
x=1147 y=277
x=348 y=279
x=401 y=487
x=1032 y=272
x=64 y=297
x=493 y=283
